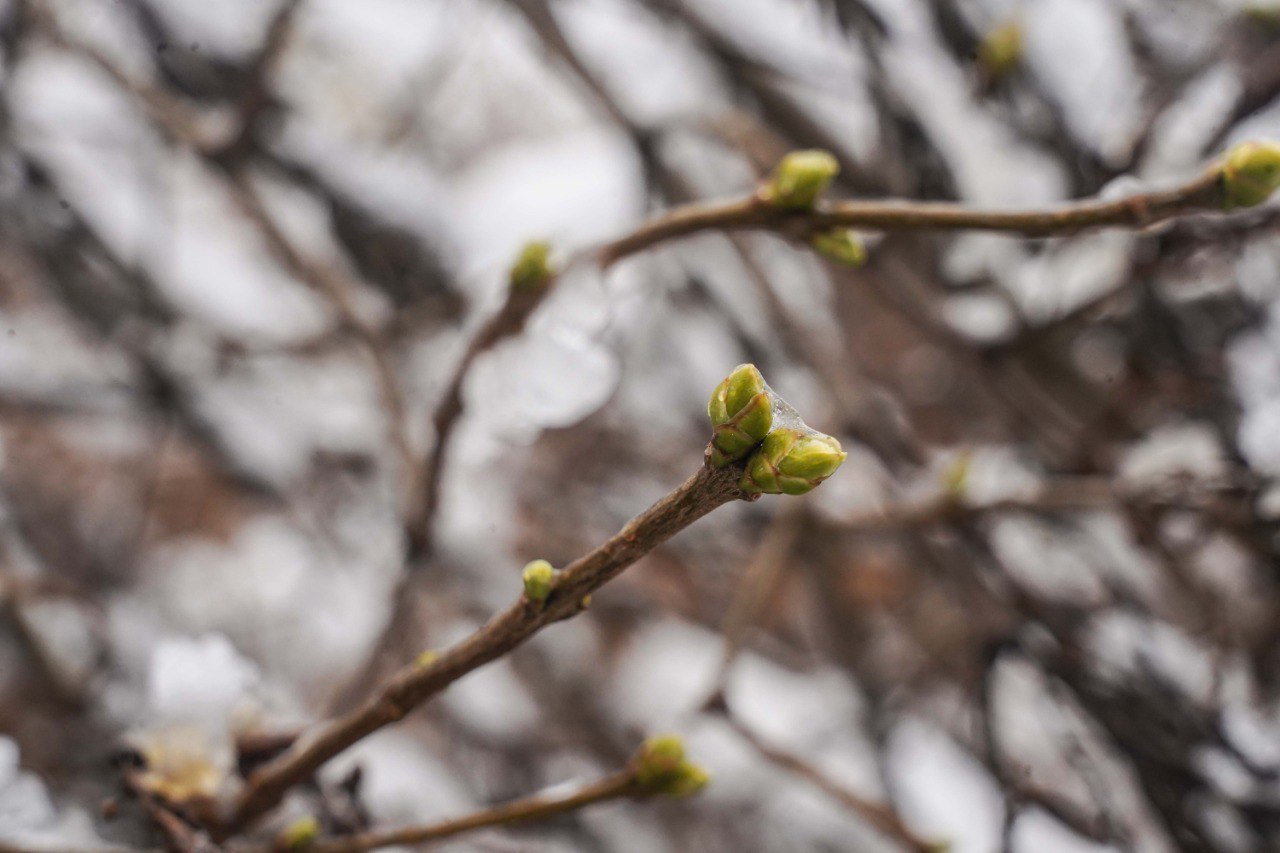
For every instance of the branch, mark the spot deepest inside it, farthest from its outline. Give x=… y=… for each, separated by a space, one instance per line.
x=881 y=816
x=1202 y=194
x=537 y=807
x=706 y=490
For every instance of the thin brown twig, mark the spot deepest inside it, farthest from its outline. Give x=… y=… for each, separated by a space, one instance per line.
x=1199 y=195
x=706 y=490
x=879 y=815
x=537 y=807
x=423 y=486
x=508 y=322
x=756 y=588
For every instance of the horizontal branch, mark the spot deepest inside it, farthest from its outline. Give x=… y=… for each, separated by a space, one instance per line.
x=1202 y=194
x=706 y=490
x=537 y=807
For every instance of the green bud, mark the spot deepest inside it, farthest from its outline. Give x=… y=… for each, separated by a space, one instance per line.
x=741 y=412
x=1250 y=174
x=539 y=577
x=955 y=479
x=1001 y=50
x=800 y=178
x=300 y=834
x=841 y=245
x=427 y=657
x=661 y=768
x=532 y=269
x=1266 y=15
x=791 y=461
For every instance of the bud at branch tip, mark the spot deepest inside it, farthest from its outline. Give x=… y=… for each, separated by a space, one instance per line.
x=1250 y=174
x=791 y=461
x=741 y=413
x=532 y=269
x=661 y=768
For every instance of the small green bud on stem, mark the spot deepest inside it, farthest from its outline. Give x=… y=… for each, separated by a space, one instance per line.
x=840 y=245
x=661 y=768
x=800 y=178
x=1001 y=50
x=1250 y=174
x=539 y=577
x=299 y=835
x=791 y=461
x=741 y=412
x=532 y=269
x=427 y=657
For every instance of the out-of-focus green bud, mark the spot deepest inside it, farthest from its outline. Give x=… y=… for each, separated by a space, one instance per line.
x=1250 y=174
x=1264 y=14
x=427 y=657
x=800 y=178
x=661 y=768
x=955 y=479
x=741 y=412
x=1001 y=50
x=539 y=576
x=300 y=834
x=532 y=269
x=791 y=461
x=841 y=245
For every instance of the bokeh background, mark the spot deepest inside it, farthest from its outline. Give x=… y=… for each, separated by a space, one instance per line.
x=244 y=244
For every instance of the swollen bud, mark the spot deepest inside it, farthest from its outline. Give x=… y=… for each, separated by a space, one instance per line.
x=299 y=835
x=800 y=178
x=1250 y=174
x=661 y=768
x=532 y=269
x=791 y=461
x=1001 y=50
x=741 y=412
x=539 y=577
x=841 y=245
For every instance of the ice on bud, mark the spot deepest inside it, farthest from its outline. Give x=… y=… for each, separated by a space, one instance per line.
x=662 y=768
x=539 y=576
x=741 y=413
x=1250 y=174
x=532 y=269
x=840 y=245
x=791 y=461
x=800 y=178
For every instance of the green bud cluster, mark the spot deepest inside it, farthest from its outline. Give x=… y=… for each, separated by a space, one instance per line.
x=840 y=245
x=1250 y=174
x=661 y=768
x=800 y=178
x=539 y=577
x=532 y=269
x=749 y=421
x=741 y=412
x=792 y=461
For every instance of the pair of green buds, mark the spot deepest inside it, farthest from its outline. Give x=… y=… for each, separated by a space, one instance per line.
x=796 y=184
x=784 y=455
x=661 y=767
